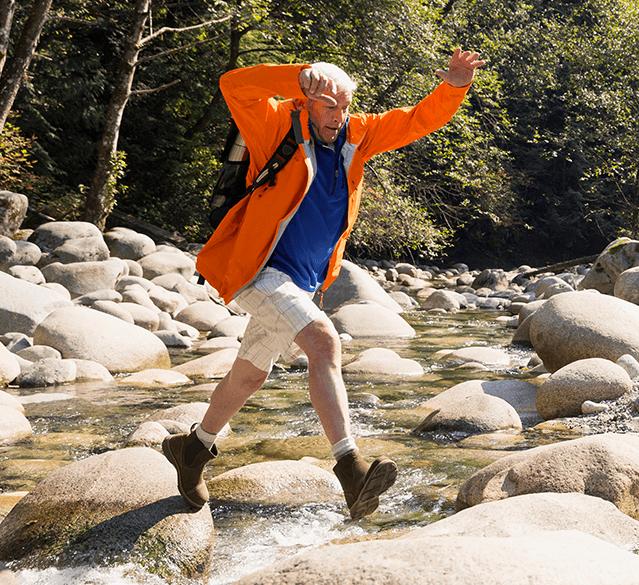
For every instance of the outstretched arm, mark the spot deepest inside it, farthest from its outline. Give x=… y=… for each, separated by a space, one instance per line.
x=461 y=69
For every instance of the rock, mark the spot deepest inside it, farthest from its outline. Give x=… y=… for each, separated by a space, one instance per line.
x=174 y=339
x=558 y=288
x=177 y=283
x=142 y=316
x=564 y=392
x=402 y=299
x=114 y=508
x=33 y=353
x=531 y=513
x=354 y=285
x=631 y=365
x=139 y=296
x=115 y=310
x=217 y=343
x=284 y=483
x=214 y=365
x=368 y=319
x=9 y=366
x=203 y=315
x=155 y=377
x=13 y=210
x=605 y=466
x=543 y=284
x=616 y=258
x=581 y=325
x=160 y=263
x=47 y=372
x=627 y=285
x=544 y=559
x=148 y=434
x=7 y=399
x=69 y=242
x=128 y=244
x=474 y=414
x=81 y=333
x=441 y=299
x=29 y=273
x=166 y=300
x=383 y=361
x=233 y=326
x=14 y=426
x=492 y=279
x=99 y=295
x=483 y=355
x=185 y=416
x=80 y=278
x=7 y=251
x=590 y=407
x=521 y=395
x=90 y=371
x=24 y=305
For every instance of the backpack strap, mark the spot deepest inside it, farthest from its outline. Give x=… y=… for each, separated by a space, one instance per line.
x=282 y=155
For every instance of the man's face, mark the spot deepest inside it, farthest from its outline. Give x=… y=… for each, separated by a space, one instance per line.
x=328 y=120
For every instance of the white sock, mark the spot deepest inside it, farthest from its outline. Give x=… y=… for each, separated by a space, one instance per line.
x=208 y=439
x=343 y=447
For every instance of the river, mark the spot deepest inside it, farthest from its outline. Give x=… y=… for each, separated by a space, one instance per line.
x=73 y=422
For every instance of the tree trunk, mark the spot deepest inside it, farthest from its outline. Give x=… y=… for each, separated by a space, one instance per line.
x=7 y=9
x=25 y=49
x=96 y=206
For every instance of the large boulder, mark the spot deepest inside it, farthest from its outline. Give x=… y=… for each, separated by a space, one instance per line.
x=368 y=319
x=606 y=466
x=569 y=387
x=627 y=285
x=616 y=258
x=69 y=241
x=114 y=508
x=13 y=210
x=531 y=513
x=24 y=305
x=354 y=285
x=9 y=366
x=580 y=325
x=82 y=333
x=382 y=361
x=14 y=426
x=160 y=263
x=17 y=253
x=283 y=483
x=81 y=278
x=551 y=558
x=128 y=244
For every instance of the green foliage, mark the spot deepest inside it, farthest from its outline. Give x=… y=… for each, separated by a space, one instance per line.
x=16 y=163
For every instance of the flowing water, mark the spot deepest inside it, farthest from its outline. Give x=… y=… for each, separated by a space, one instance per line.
x=73 y=422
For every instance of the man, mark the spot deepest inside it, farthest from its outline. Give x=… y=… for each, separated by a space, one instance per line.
x=279 y=246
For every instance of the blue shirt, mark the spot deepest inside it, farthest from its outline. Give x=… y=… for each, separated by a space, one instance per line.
x=306 y=246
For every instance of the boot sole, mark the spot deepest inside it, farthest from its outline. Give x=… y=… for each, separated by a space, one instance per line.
x=381 y=476
x=166 y=449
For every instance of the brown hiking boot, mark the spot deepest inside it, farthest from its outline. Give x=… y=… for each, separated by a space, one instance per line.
x=363 y=484
x=189 y=456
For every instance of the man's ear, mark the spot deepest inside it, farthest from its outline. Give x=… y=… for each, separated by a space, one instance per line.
x=300 y=104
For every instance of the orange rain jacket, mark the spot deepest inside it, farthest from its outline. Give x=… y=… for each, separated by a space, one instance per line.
x=247 y=236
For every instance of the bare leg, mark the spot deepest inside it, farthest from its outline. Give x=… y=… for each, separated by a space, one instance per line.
x=231 y=393
x=320 y=341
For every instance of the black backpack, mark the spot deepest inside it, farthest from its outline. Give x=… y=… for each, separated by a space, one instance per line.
x=230 y=187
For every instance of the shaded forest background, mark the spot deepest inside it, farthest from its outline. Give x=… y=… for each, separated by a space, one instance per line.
x=540 y=165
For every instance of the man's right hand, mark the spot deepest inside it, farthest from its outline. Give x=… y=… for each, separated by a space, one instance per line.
x=316 y=86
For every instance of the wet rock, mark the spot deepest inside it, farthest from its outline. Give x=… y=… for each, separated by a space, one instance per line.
x=383 y=361
x=47 y=372
x=78 y=332
x=13 y=210
x=531 y=513
x=442 y=299
x=368 y=319
x=90 y=371
x=9 y=367
x=284 y=483
x=568 y=556
x=203 y=315
x=80 y=278
x=564 y=392
x=581 y=325
x=474 y=414
x=605 y=466
x=118 y=507
x=160 y=263
x=214 y=365
x=155 y=377
x=354 y=285
x=14 y=426
x=128 y=244
x=483 y=355
x=24 y=305
x=148 y=434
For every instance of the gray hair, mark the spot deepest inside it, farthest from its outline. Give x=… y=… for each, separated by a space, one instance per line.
x=339 y=76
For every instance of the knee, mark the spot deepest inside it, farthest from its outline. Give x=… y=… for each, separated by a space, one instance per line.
x=319 y=339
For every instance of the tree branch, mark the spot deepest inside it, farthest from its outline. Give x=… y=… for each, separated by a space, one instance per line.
x=176 y=50
x=165 y=29
x=155 y=89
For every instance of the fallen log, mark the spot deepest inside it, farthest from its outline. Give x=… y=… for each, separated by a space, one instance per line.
x=562 y=265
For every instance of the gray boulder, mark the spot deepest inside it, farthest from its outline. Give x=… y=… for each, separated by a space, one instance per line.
x=382 y=361
x=128 y=244
x=494 y=279
x=9 y=366
x=606 y=466
x=369 y=319
x=114 y=508
x=354 y=285
x=594 y=379
x=14 y=426
x=159 y=263
x=82 y=333
x=47 y=372
x=581 y=325
x=17 y=253
x=24 y=305
x=81 y=278
x=616 y=258
x=68 y=242
x=203 y=315
x=627 y=285
x=13 y=210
